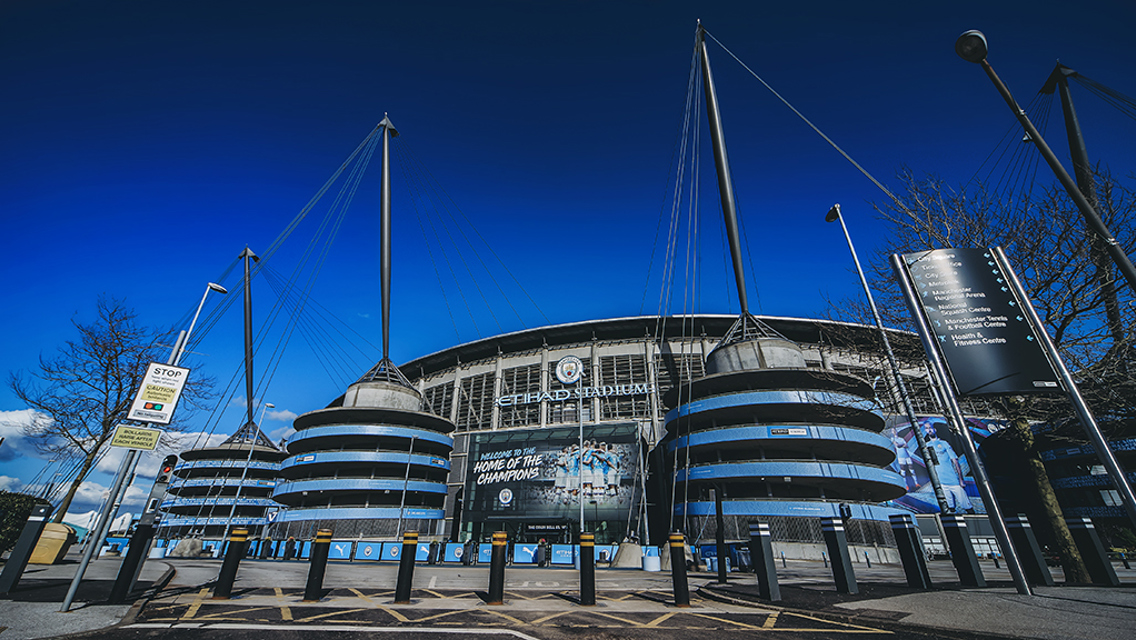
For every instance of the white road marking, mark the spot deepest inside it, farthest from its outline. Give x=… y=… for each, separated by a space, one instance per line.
x=433 y=581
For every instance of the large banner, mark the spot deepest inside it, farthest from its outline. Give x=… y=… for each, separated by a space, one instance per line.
x=952 y=465
x=542 y=475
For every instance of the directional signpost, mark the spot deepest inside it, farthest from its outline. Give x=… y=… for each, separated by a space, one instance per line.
x=979 y=324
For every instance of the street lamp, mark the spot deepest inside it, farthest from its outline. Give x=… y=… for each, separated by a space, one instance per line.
x=932 y=474
x=971 y=46
x=212 y=286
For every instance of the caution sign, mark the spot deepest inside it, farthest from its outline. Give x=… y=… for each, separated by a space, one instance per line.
x=158 y=397
x=135 y=438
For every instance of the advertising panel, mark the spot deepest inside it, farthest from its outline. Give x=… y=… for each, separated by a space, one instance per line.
x=951 y=463
x=979 y=326
x=541 y=475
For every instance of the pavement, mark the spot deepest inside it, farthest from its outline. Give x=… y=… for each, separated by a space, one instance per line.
x=542 y=602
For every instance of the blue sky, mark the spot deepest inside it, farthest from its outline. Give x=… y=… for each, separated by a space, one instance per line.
x=145 y=144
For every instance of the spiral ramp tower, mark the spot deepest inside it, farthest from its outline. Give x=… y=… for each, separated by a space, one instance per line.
x=784 y=444
x=211 y=483
x=372 y=464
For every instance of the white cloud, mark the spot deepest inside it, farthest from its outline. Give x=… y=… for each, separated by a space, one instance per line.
x=281 y=433
x=16 y=444
x=8 y=483
x=282 y=415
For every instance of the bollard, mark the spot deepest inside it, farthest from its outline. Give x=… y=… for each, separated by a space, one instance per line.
x=962 y=552
x=1029 y=552
x=25 y=544
x=587 y=569
x=406 y=567
x=824 y=559
x=996 y=565
x=289 y=548
x=867 y=560
x=139 y=544
x=313 y=591
x=908 y=541
x=761 y=555
x=1124 y=560
x=1092 y=551
x=784 y=565
x=837 y=543
x=238 y=540
x=265 y=547
x=678 y=570
x=497 y=568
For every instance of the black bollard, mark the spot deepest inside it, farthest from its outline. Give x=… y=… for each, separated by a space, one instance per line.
x=1029 y=552
x=25 y=544
x=962 y=552
x=761 y=556
x=1092 y=551
x=265 y=547
x=1124 y=560
x=867 y=560
x=587 y=569
x=238 y=540
x=317 y=566
x=907 y=539
x=837 y=542
x=139 y=544
x=996 y=564
x=497 y=568
x=289 y=548
x=406 y=567
x=678 y=570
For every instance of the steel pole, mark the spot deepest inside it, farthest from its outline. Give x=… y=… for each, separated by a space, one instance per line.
x=722 y=166
x=385 y=233
x=920 y=440
x=994 y=513
x=1104 y=452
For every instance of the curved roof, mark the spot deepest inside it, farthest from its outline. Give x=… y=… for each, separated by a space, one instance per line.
x=638 y=327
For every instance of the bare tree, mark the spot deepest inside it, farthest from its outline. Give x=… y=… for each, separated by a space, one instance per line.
x=85 y=391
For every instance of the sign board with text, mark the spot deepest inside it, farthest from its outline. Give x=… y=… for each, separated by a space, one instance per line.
x=158 y=397
x=979 y=327
x=135 y=438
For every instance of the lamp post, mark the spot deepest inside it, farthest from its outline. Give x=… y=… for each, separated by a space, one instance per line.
x=932 y=474
x=180 y=349
x=971 y=46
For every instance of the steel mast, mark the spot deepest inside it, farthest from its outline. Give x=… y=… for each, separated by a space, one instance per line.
x=722 y=166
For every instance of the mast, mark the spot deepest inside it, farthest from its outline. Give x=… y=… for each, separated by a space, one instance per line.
x=385 y=232
x=722 y=166
x=1083 y=173
x=248 y=257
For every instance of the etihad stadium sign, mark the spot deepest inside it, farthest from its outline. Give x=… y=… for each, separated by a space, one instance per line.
x=560 y=395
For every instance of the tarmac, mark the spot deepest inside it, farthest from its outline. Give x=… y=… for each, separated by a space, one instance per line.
x=536 y=594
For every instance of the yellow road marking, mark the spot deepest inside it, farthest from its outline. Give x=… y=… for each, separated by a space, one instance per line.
x=771 y=620
x=660 y=619
x=285 y=611
x=440 y=615
x=218 y=616
x=505 y=616
x=549 y=617
x=733 y=622
x=616 y=618
x=395 y=614
x=333 y=613
x=192 y=610
x=861 y=628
